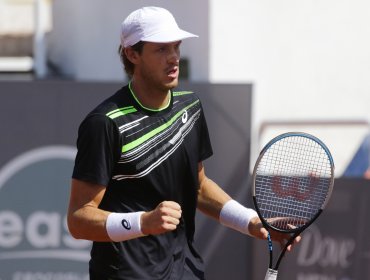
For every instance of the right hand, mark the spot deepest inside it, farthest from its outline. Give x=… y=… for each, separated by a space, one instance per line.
x=165 y=217
x=256 y=229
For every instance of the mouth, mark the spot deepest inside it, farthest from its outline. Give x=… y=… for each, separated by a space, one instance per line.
x=173 y=72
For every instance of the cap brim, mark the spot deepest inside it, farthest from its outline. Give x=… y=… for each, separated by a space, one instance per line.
x=169 y=36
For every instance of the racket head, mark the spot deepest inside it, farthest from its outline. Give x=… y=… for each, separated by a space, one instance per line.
x=292 y=181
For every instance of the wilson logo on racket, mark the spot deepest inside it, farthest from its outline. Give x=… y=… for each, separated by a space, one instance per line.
x=292 y=187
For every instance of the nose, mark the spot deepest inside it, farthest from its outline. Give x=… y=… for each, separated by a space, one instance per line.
x=174 y=56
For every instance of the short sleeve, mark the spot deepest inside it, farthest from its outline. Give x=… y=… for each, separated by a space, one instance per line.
x=205 y=147
x=98 y=150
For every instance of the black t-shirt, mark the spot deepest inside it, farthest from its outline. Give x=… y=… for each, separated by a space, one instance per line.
x=145 y=157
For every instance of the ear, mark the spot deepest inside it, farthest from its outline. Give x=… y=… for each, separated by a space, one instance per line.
x=131 y=55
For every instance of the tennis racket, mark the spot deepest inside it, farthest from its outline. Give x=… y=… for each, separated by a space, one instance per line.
x=292 y=182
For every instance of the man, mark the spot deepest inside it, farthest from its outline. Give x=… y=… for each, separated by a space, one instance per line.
x=138 y=175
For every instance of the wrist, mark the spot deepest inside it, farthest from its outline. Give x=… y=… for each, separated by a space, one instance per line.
x=124 y=226
x=236 y=216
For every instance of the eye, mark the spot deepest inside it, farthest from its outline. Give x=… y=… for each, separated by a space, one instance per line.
x=162 y=49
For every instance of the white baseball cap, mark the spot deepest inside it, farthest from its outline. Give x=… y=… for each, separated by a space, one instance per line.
x=151 y=24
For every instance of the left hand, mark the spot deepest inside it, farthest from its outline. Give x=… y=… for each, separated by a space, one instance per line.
x=257 y=230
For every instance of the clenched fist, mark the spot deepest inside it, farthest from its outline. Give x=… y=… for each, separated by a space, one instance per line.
x=165 y=217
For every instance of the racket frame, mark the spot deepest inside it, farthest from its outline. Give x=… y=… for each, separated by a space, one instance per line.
x=295 y=232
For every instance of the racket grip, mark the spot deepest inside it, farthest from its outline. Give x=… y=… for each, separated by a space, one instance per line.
x=271 y=274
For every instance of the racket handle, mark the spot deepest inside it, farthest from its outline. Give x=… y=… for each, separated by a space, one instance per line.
x=271 y=274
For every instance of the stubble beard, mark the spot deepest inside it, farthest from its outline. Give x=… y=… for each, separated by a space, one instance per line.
x=157 y=84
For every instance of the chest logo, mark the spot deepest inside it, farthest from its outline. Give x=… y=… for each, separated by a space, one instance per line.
x=184 y=117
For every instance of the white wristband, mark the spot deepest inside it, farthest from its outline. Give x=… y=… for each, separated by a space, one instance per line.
x=124 y=226
x=236 y=216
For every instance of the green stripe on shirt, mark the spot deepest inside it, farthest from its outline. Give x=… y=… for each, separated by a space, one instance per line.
x=178 y=93
x=121 y=112
x=142 y=139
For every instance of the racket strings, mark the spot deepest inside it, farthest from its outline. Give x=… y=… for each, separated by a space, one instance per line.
x=292 y=181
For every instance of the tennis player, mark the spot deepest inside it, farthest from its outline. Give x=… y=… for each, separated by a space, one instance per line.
x=138 y=176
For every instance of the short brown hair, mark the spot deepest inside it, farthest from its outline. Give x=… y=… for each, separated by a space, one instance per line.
x=129 y=67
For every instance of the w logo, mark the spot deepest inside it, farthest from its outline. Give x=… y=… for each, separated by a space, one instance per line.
x=300 y=188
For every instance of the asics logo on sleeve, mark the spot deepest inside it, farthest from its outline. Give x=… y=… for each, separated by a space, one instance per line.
x=126 y=224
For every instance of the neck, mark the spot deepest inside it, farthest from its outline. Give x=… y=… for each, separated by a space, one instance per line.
x=149 y=98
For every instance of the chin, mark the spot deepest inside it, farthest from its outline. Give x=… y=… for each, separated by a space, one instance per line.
x=172 y=84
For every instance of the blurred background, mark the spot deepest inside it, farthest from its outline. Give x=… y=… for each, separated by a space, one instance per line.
x=260 y=67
